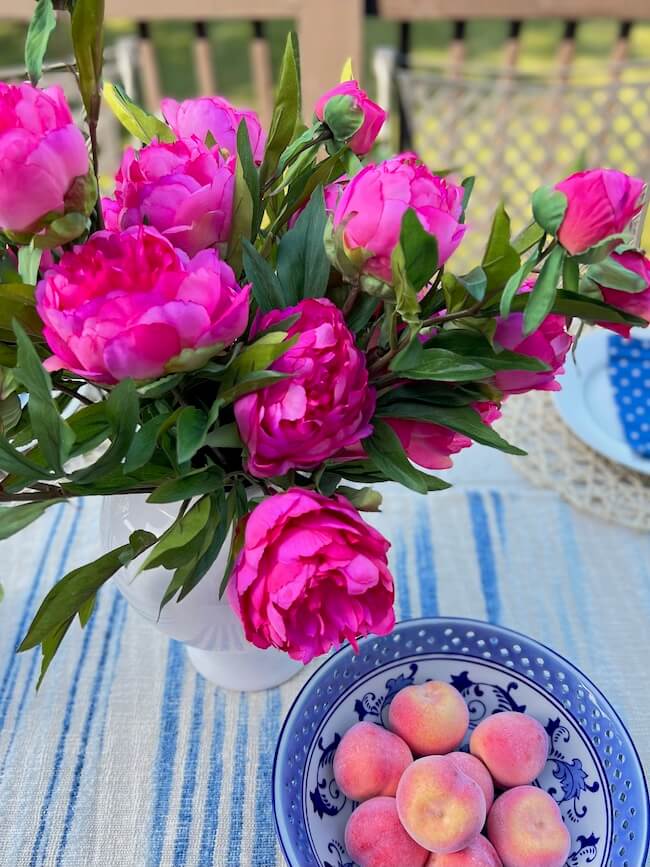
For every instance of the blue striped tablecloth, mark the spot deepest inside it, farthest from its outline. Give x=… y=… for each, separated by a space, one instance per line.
x=127 y=758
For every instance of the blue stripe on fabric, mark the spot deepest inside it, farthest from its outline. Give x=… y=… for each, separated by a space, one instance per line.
x=577 y=580
x=34 y=660
x=402 y=578
x=213 y=797
x=499 y=511
x=166 y=756
x=485 y=553
x=111 y=634
x=238 y=793
x=189 y=775
x=264 y=849
x=60 y=747
x=425 y=564
x=9 y=678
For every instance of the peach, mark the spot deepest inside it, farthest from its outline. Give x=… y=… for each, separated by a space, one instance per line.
x=369 y=761
x=525 y=827
x=374 y=837
x=431 y=717
x=479 y=853
x=513 y=746
x=440 y=807
x=475 y=770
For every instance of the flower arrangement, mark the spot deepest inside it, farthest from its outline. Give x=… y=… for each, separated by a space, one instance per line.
x=258 y=327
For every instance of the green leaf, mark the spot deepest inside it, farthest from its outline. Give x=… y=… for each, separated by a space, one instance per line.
x=194 y=484
x=73 y=591
x=468 y=187
x=243 y=202
x=475 y=283
x=475 y=347
x=142 y=125
x=286 y=113
x=549 y=207
x=160 y=387
x=363 y=499
x=410 y=357
x=362 y=312
x=38 y=35
x=303 y=265
x=15 y=518
x=225 y=437
x=501 y=260
x=542 y=296
x=55 y=438
x=592 y=310
x=29 y=259
x=50 y=646
x=191 y=428
x=386 y=452
x=86 y=611
x=144 y=442
x=614 y=275
x=251 y=382
x=420 y=250
x=602 y=250
x=528 y=238
x=251 y=175
x=17 y=303
x=446 y=366
x=13 y=461
x=267 y=289
x=259 y=355
x=88 y=44
x=122 y=414
x=571 y=275
x=463 y=419
x=215 y=536
x=170 y=548
x=514 y=283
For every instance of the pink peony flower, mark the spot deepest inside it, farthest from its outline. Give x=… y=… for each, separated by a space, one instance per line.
x=601 y=202
x=375 y=200
x=431 y=445
x=358 y=100
x=637 y=303
x=182 y=189
x=550 y=343
x=311 y=575
x=215 y=115
x=323 y=406
x=127 y=304
x=42 y=153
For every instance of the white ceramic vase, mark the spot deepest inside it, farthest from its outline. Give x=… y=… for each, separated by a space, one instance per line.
x=208 y=627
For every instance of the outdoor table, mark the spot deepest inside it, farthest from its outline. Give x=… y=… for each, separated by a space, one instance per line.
x=127 y=758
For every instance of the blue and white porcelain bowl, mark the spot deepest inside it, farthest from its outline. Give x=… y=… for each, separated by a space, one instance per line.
x=593 y=772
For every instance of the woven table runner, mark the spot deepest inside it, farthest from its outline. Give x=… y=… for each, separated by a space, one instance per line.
x=128 y=758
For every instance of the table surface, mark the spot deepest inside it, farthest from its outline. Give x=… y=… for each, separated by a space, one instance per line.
x=127 y=758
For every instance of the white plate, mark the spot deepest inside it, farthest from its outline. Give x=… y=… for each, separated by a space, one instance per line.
x=586 y=402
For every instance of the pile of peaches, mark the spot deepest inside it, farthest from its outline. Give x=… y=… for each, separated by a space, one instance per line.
x=432 y=811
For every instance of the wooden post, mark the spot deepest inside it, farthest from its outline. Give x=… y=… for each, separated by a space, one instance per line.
x=329 y=34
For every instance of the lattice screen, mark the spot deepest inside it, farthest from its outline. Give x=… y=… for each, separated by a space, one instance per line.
x=516 y=134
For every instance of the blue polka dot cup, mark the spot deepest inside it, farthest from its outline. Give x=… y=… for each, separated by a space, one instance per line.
x=593 y=772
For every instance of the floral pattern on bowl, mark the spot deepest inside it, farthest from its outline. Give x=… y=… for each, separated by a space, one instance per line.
x=593 y=770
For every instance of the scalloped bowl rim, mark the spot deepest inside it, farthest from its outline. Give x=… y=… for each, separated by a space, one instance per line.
x=322 y=671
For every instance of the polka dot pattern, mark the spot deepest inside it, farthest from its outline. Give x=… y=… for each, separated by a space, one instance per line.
x=629 y=371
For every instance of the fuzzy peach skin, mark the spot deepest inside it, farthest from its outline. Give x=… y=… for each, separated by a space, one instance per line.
x=525 y=827
x=513 y=746
x=431 y=717
x=369 y=761
x=475 y=770
x=440 y=807
x=374 y=837
x=479 y=853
